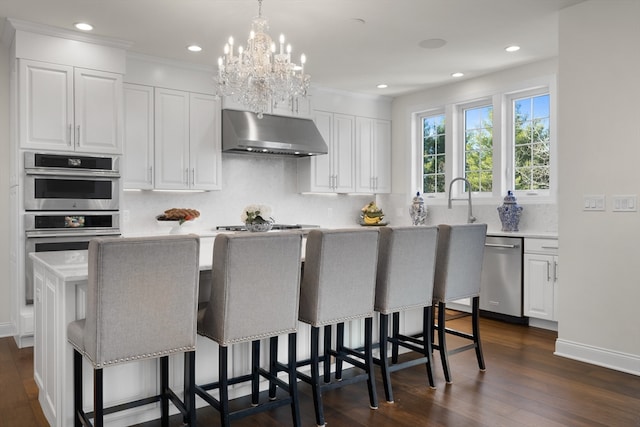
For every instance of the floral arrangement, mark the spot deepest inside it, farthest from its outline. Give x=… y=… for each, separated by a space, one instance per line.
x=253 y=214
x=179 y=214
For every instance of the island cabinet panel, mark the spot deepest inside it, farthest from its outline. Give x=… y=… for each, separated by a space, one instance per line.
x=63 y=108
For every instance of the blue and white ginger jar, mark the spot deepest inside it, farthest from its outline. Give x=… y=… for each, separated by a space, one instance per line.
x=510 y=213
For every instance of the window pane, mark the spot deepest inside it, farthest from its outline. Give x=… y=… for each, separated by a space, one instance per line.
x=531 y=143
x=433 y=153
x=541 y=107
x=478 y=130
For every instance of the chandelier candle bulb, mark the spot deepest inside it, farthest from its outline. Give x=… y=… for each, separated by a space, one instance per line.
x=281 y=43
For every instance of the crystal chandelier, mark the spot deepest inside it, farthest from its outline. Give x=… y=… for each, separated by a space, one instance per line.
x=261 y=74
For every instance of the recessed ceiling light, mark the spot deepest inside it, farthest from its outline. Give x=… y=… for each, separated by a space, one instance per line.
x=432 y=43
x=457 y=74
x=382 y=86
x=194 y=48
x=513 y=48
x=83 y=26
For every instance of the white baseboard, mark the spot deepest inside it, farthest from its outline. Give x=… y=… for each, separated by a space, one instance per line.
x=629 y=363
x=7 y=330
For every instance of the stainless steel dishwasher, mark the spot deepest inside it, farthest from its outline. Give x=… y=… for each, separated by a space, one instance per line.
x=501 y=286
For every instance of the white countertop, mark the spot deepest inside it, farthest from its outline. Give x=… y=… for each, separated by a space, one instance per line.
x=73 y=265
x=527 y=234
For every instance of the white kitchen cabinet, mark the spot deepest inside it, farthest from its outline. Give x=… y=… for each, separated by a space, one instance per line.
x=187 y=141
x=69 y=109
x=293 y=107
x=373 y=155
x=205 y=149
x=540 y=278
x=138 y=137
x=333 y=172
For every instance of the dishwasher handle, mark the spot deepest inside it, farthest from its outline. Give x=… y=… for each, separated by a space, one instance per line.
x=499 y=245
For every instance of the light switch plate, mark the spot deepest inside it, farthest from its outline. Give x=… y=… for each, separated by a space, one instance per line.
x=594 y=202
x=625 y=203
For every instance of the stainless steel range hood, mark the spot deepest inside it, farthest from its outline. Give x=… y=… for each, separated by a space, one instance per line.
x=243 y=132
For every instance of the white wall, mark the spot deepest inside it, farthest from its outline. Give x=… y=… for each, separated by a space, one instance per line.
x=599 y=90
x=5 y=288
x=537 y=217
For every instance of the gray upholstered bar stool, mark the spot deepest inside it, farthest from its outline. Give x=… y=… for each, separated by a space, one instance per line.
x=406 y=265
x=458 y=275
x=338 y=285
x=141 y=304
x=254 y=295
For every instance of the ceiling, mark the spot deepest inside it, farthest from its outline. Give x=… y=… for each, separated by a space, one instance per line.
x=351 y=45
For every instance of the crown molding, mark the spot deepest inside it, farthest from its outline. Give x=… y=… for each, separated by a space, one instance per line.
x=47 y=30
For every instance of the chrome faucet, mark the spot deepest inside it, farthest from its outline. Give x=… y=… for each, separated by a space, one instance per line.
x=470 y=218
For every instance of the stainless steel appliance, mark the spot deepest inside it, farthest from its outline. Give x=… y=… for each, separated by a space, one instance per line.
x=243 y=132
x=501 y=286
x=56 y=231
x=67 y=182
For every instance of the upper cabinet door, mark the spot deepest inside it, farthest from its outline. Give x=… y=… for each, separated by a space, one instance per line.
x=98 y=111
x=138 y=137
x=343 y=160
x=321 y=178
x=172 y=170
x=382 y=156
x=365 y=148
x=205 y=145
x=46 y=106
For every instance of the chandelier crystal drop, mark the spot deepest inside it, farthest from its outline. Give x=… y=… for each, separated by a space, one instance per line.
x=261 y=74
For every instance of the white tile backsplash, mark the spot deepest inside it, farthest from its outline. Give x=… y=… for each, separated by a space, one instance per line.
x=246 y=179
x=250 y=179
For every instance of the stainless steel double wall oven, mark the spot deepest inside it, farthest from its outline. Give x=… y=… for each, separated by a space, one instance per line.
x=68 y=200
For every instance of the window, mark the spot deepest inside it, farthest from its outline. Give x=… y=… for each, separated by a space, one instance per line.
x=500 y=142
x=433 y=142
x=478 y=148
x=531 y=137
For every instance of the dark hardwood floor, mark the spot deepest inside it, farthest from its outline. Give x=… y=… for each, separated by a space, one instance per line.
x=524 y=385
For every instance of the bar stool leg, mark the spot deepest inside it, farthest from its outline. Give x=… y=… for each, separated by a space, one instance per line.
x=395 y=334
x=164 y=391
x=189 y=388
x=475 y=325
x=327 y=354
x=442 y=342
x=384 y=362
x=255 y=373
x=273 y=365
x=77 y=388
x=427 y=339
x=224 y=386
x=339 y=349
x=315 y=373
x=293 y=380
x=98 y=403
x=368 y=349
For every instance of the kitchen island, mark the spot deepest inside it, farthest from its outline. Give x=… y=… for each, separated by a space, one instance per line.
x=60 y=280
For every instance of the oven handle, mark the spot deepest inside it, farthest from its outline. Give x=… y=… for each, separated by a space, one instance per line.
x=73 y=173
x=68 y=233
